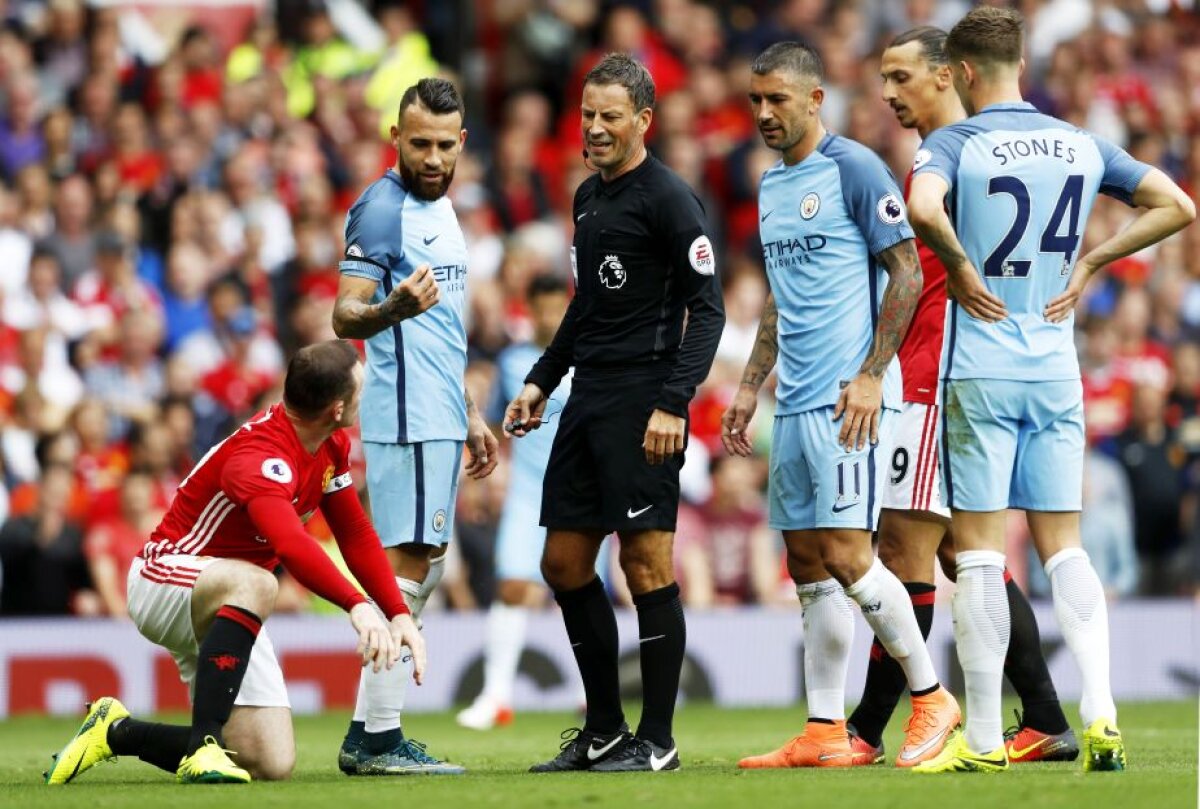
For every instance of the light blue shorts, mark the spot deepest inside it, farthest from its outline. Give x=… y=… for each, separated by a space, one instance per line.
x=412 y=489
x=519 y=539
x=815 y=483
x=1009 y=444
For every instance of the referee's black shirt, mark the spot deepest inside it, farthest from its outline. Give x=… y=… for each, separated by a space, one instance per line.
x=641 y=259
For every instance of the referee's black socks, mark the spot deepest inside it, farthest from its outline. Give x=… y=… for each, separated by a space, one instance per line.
x=662 y=636
x=592 y=629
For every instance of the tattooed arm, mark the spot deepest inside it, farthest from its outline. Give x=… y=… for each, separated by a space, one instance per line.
x=354 y=316
x=899 y=303
x=861 y=401
x=762 y=360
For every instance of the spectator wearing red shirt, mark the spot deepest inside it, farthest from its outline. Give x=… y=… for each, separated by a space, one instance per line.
x=235 y=384
x=113 y=543
x=727 y=554
x=112 y=289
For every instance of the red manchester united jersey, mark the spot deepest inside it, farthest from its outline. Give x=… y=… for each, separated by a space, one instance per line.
x=263 y=457
x=921 y=352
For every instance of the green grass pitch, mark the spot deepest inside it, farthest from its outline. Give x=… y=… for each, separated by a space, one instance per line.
x=1161 y=738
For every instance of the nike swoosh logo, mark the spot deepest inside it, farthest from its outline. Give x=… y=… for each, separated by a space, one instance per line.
x=1014 y=753
x=631 y=513
x=431 y=239
x=911 y=753
x=831 y=756
x=596 y=753
x=840 y=509
x=657 y=763
x=585 y=213
x=646 y=640
x=763 y=218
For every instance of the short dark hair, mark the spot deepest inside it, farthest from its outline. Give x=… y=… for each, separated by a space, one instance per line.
x=794 y=57
x=623 y=69
x=436 y=95
x=987 y=34
x=545 y=284
x=319 y=375
x=931 y=39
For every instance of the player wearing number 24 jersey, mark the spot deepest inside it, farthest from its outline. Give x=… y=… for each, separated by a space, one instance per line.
x=1003 y=198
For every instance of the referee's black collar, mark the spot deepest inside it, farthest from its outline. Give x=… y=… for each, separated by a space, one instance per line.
x=614 y=187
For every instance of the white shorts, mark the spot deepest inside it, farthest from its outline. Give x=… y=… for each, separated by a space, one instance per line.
x=914 y=475
x=160 y=604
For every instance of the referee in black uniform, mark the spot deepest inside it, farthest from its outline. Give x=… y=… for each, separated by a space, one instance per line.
x=642 y=259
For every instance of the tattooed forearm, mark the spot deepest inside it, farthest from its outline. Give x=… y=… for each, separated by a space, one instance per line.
x=899 y=304
x=357 y=319
x=766 y=346
x=469 y=401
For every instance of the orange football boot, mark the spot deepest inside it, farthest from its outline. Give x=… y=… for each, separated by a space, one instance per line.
x=822 y=744
x=934 y=719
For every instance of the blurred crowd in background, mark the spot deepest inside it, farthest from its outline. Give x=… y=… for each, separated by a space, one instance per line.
x=172 y=199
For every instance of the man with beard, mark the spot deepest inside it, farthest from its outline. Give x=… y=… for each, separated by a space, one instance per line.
x=403 y=290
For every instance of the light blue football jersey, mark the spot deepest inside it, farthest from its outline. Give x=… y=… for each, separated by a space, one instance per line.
x=822 y=222
x=1021 y=187
x=530 y=454
x=414 y=380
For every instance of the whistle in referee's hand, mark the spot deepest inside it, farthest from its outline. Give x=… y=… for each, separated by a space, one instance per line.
x=512 y=427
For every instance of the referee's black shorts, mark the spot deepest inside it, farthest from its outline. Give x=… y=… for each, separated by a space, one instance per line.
x=598 y=478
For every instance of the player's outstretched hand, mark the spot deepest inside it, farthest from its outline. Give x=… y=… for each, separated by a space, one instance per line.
x=375 y=644
x=524 y=413
x=405 y=633
x=735 y=423
x=858 y=407
x=482 y=447
x=966 y=287
x=665 y=434
x=415 y=294
x=1061 y=307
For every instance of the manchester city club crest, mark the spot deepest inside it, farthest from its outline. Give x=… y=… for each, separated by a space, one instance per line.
x=439 y=520
x=810 y=205
x=612 y=272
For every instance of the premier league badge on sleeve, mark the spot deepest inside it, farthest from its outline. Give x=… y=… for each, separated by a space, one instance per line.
x=890 y=210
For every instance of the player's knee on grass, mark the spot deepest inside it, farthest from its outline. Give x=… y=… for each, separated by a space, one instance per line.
x=264 y=741
x=277 y=767
x=269 y=764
